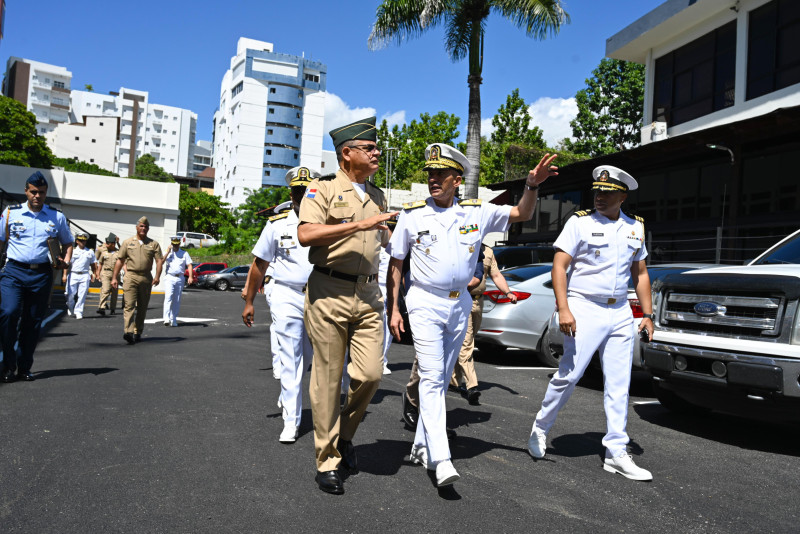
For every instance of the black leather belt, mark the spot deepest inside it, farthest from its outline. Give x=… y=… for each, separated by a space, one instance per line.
x=355 y=278
x=31 y=266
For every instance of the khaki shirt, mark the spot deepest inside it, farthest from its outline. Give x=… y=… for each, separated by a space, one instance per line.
x=489 y=266
x=335 y=201
x=138 y=257
x=106 y=258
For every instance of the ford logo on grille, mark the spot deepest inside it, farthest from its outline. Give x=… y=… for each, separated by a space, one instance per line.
x=709 y=309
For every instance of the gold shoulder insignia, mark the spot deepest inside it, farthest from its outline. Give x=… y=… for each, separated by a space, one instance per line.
x=640 y=219
x=414 y=205
x=583 y=213
x=279 y=216
x=470 y=202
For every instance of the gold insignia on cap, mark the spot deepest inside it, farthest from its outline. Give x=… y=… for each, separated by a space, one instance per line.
x=435 y=152
x=604 y=176
x=302 y=172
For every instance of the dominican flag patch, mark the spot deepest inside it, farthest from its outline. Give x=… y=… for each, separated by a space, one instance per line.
x=311 y=193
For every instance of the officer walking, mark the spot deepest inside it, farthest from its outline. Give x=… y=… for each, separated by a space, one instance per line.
x=279 y=247
x=137 y=254
x=176 y=263
x=443 y=236
x=342 y=221
x=597 y=253
x=106 y=257
x=81 y=273
x=27 y=277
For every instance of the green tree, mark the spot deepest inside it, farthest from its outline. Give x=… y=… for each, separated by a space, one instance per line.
x=20 y=144
x=609 y=109
x=74 y=165
x=465 y=24
x=146 y=168
x=242 y=234
x=201 y=212
x=89 y=87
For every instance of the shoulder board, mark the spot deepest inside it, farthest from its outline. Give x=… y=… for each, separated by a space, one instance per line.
x=583 y=213
x=285 y=210
x=414 y=205
x=52 y=208
x=326 y=178
x=470 y=202
x=282 y=215
x=15 y=207
x=640 y=219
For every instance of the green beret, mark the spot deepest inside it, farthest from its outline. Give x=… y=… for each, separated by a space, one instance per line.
x=363 y=129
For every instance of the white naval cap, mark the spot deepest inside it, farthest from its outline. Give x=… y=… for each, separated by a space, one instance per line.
x=609 y=178
x=300 y=176
x=441 y=156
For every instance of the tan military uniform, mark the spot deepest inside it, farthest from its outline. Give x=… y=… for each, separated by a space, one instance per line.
x=465 y=367
x=341 y=314
x=106 y=259
x=138 y=258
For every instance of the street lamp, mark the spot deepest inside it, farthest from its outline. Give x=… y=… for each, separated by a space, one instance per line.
x=391 y=156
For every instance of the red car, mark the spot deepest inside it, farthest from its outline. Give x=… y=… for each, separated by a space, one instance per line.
x=205 y=269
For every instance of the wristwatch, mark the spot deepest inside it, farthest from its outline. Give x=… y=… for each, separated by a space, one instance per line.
x=648 y=316
x=531 y=187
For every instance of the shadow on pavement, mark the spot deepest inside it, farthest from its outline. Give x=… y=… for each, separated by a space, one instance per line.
x=51 y=373
x=586 y=444
x=382 y=394
x=750 y=434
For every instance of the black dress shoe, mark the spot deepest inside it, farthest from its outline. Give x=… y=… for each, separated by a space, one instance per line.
x=451 y=434
x=101 y=311
x=113 y=312
x=27 y=376
x=410 y=413
x=129 y=338
x=330 y=482
x=348 y=452
x=8 y=376
x=472 y=396
x=137 y=338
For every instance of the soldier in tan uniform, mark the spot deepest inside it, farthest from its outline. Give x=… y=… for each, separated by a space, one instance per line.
x=343 y=222
x=136 y=254
x=106 y=257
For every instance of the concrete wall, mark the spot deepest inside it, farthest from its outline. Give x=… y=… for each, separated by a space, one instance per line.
x=93 y=142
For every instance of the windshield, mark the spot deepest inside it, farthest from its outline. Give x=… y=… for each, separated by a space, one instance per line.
x=228 y=270
x=518 y=274
x=785 y=252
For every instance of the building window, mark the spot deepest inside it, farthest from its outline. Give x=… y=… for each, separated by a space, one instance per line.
x=272 y=90
x=297 y=136
x=269 y=131
x=91 y=160
x=100 y=124
x=94 y=140
x=697 y=78
x=77 y=138
x=88 y=104
x=272 y=110
x=266 y=173
x=269 y=152
x=295 y=156
x=237 y=89
x=311 y=77
x=298 y=114
x=773 y=47
x=58 y=84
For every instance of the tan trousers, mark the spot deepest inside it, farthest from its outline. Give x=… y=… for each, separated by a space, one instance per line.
x=412 y=388
x=136 y=291
x=107 y=292
x=465 y=366
x=341 y=315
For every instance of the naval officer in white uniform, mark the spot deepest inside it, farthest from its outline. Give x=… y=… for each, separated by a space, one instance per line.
x=176 y=263
x=443 y=235
x=597 y=253
x=81 y=273
x=279 y=248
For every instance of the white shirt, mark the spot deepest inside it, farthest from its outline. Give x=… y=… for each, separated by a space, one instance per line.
x=383 y=266
x=444 y=243
x=278 y=244
x=177 y=262
x=602 y=252
x=82 y=258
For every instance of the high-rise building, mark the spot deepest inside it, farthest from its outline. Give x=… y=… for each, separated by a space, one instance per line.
x=43 y=89
x=270 y=119
x=201 y=157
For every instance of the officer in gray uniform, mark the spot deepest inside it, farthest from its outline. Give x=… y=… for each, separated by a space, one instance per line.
x=597 y=253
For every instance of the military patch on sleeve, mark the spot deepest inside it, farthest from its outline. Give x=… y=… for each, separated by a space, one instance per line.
x=279 y=216
x=470 y=202
x=413 y=205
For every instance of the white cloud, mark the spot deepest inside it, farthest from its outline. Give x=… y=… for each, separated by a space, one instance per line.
x=486 y=128
x=553 y=115
x=397 y=118
x=338 y=113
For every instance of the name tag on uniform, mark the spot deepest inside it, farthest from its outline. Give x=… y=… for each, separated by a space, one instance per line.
x=597 y=234
x=341 y=204
x=468 y=228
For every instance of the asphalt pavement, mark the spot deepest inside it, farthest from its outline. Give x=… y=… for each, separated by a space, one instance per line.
x=179 y=433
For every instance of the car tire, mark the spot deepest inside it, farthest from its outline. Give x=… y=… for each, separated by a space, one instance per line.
x=674 y=403
x=548 y=357
x=222 y=285
x=189 y=245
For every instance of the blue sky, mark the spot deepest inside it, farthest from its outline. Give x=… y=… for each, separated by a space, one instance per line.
x=179 y=50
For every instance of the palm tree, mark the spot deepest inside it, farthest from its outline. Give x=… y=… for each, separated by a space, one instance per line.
x=465 y=25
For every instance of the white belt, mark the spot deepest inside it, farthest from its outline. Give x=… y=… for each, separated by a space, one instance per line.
x=297 y=287
x=599 y=300
x=444 y=293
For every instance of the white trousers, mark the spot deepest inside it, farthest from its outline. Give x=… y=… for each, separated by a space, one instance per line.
x=173 y=289
x=387 y=335
x=609 y=330
x=438 y=325
x=292 y=345
x=273 y=342
x=77 y=288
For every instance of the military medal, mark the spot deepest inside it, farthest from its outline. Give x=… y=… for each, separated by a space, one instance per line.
x=471 y=248
x=427 y=251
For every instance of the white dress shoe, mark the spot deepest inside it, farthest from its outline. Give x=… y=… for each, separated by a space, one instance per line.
x=624 y=465
x=537 y=443
x=290 y=432
x=78 y=316
x=445 y=473
x=386 y=369
x=276 y=373
x=419 y=456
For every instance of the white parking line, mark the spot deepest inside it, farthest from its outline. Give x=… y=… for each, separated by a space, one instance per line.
x=640 y=403
x=181 y=320
x=531 y=368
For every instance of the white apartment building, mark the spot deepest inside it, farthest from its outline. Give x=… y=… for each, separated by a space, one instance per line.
x=44 y=90
x=92 y=141
x=165 y=132
x=201 y=157
x=270 y=119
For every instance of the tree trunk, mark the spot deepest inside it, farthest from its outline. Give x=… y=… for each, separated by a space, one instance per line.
x=473 y=137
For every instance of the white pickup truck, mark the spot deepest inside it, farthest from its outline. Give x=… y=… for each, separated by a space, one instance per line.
x=728 y=338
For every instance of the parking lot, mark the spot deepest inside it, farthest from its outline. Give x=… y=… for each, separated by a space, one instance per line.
x=179 y=433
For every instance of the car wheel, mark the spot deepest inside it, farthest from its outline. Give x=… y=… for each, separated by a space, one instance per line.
x=222 y=285
x=547 y=356
x=189 y=245
x=674 y=403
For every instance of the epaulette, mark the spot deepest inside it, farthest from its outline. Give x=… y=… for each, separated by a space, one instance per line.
x=470 y=202
x=285 y=210
x=15 y=207
x=583 y=213
x=640 y=219
x=281 y=215
x=326 y=178
x=414 y=205
x=52 y=208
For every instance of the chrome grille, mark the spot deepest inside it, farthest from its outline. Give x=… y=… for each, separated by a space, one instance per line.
x=759 y=316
